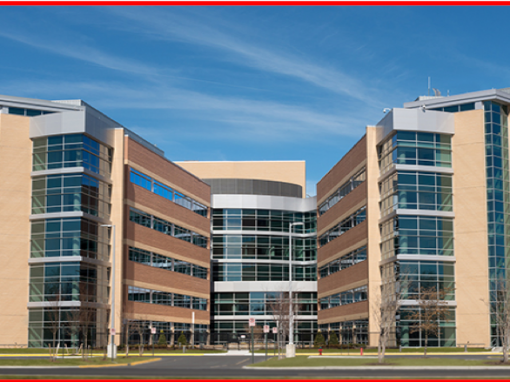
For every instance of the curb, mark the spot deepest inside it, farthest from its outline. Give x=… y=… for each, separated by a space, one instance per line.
x=142 y=362
x=347 y=368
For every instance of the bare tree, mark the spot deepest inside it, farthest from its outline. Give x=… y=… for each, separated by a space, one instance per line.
x=80 y=319
x=387 y=305
x=53 y=312
x=500 y=310
x=432 y=309
x=279 y=306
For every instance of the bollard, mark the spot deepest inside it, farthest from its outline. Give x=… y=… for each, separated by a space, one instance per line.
x=465 y=348
x=361 y=351
x=184 y=349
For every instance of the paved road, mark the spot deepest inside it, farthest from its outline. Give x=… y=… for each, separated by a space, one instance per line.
x=232 y=367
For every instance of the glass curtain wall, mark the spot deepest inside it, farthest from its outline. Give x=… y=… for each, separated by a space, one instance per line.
x=498 y=206
x=252 y=245
x=423 y=230
x=69 y=294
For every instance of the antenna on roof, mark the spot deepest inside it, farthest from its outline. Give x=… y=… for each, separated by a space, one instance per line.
x=429 y=87
x=437 y=93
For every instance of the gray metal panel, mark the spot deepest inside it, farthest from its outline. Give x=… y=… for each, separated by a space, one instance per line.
x=265 y=202
x=253 y=187
x=415 y=120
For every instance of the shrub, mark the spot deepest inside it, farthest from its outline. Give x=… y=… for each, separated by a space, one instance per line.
x=319 y=340
x=162 y=340
x=333 y=338
x=182 y=340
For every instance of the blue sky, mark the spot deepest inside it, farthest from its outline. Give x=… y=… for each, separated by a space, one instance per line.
x=251 y=83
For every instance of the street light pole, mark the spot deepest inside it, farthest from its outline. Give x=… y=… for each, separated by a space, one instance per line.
x=113 y=351
x=291 y=349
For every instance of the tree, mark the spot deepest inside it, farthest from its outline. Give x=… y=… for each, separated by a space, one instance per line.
x=53 y=312
x=319 y=340
x=432 y=309
x=500 y=310
x=182 y=339
x=386 y=304
x=279 y=306
x=333 y=338
x=162 y=340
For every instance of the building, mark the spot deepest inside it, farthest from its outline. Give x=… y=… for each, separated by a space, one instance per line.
x=254 y=206
x=421 y=200
x=77 y=185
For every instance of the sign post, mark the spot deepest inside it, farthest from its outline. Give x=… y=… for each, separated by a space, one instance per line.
x=252 y=325
x=266 y=330
x=153 y=331
x=275 y=330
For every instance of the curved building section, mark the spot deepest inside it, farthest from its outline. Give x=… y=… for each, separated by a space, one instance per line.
x=253 y=205
x=250 y=260
x=254 y=187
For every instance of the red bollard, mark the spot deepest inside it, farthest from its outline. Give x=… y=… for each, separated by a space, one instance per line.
x=361 y=351
x=320 y=351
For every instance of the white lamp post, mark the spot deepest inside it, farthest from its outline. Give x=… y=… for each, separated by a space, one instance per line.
x=291 y=348
x=112 y=348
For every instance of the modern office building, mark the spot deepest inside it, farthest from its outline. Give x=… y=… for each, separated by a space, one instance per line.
x=94 y=218
x=421 y=199
x=254 y=207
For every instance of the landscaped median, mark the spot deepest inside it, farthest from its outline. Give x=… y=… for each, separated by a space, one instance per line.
x=306 y=362
x=78 y=362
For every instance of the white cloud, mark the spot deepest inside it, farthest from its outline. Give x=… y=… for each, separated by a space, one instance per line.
x=177 y=27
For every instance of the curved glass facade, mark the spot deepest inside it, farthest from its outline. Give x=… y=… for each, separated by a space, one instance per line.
x=498 y=205
x=416 y=148
x=427 y=195
x=250 y=247
x=73 y=150
x=75 y=289
x=70 y=192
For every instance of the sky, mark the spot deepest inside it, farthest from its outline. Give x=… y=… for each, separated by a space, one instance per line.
x=246 y=83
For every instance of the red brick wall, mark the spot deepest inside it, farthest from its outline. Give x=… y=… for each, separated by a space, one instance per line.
x=345 y=277
x=351 y=237
x=353 y=158
x=338 y=312
x=355 y=197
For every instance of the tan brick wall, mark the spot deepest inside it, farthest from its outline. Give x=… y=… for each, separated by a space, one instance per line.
x=345 y=168
x=278 y=171
x=15 y=206
x=470 y=228
x=374 y=235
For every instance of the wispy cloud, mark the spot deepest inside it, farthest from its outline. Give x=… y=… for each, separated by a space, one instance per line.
x=239 y=119
x=82 y=52
x=178 y=27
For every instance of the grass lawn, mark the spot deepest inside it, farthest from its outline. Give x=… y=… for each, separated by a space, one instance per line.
x=374 y=350
x=132 y=351
x=95 y=361
x=304 y=361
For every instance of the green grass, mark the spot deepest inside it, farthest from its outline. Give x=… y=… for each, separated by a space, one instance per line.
x=304 y=361
x=374 y=350
x=95 y=361
x=132 y=351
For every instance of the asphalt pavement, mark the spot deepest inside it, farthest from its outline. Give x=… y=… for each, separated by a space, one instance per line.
x=232 y=367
